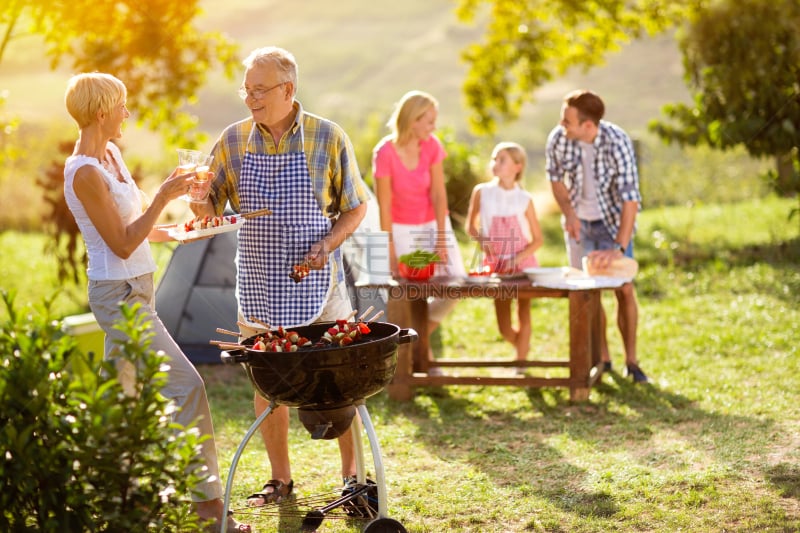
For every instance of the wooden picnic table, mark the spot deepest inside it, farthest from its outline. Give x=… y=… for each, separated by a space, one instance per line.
x=407 y=307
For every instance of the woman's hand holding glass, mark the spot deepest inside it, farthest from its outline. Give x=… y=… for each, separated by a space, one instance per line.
x=176 y=185
x=199 y=163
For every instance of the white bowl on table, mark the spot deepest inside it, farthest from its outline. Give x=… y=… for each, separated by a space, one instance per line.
x=544 y=275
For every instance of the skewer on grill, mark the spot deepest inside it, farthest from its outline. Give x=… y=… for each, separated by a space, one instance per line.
x=376 y=317
x=365 y=313
x=228 y=332
x=351 y=315
x=243 y=325
x=225 y=345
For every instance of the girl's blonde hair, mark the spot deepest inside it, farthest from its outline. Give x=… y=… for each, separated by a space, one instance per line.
x=517 y=153
x=410 y=108
x=91 y=92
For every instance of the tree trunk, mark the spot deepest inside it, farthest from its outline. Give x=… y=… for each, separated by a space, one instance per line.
x=788 y=182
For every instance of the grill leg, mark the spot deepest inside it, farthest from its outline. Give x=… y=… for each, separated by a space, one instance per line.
x=358 y=450
x=229 y=483
x=380 y=479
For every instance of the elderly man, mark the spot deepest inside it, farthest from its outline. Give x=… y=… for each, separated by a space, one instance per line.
x=303 y=168
x=592 y=170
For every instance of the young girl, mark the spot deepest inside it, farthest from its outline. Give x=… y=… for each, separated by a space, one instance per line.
x=503 y=220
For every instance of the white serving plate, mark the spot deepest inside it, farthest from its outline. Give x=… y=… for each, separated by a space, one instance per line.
x=178 y=234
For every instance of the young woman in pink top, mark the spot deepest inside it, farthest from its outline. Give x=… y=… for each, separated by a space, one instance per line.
x=502 y=219
x=409 y=180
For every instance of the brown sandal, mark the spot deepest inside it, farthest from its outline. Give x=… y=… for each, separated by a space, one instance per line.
x=273 y=491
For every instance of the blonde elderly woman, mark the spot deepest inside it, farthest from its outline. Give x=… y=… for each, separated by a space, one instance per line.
x=409 y=179
x=116 y=222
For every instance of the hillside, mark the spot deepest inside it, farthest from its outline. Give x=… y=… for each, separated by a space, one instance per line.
x=357 y=58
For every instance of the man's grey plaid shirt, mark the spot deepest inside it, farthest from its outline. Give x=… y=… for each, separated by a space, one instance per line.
x=614 y=169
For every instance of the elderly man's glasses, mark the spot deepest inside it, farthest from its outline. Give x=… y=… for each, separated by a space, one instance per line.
x=257 y=93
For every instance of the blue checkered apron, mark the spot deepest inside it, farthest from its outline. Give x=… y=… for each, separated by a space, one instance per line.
x=269 y=246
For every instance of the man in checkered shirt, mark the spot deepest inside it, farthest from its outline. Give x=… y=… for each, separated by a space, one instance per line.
x=303 y=168
x=591 y=166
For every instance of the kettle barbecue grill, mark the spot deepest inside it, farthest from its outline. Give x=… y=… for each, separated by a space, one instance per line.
x=329 y=385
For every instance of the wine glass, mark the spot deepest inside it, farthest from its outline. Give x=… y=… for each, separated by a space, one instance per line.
x=198 y=191
x=187 y=160
x=195 y=161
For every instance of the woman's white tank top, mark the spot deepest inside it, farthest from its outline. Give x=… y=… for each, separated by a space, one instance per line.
x=103 y=263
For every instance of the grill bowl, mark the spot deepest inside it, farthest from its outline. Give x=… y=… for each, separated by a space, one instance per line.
x=324 y=378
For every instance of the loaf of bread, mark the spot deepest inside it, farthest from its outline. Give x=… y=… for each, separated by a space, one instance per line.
x=624 y=267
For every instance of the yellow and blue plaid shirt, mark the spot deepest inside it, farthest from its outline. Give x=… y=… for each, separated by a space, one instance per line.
x=331 y=158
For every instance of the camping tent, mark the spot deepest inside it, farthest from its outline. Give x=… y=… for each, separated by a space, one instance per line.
x=196 y=294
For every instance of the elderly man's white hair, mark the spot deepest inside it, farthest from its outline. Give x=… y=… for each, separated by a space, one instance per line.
x=282 y=60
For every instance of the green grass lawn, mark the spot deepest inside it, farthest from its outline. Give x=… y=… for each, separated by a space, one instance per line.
x=712 y=444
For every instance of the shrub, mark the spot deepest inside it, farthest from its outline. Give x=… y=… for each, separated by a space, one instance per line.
x=366 y=135
x=79 y=454
x=462 y=170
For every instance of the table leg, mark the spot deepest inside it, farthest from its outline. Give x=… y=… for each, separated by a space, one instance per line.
x=596 y=325
x=418 y=309
x=397 y=311
x=583 y=308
